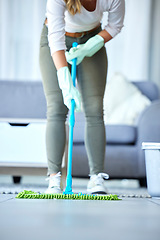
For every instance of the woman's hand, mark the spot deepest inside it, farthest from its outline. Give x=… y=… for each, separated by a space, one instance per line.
x=69 y=92
x=87 y=49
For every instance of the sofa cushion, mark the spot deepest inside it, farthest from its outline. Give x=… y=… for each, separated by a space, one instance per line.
x=78 y=133
x=120 y=134
x=79 y=128
x=115 y=134
x=123 y=101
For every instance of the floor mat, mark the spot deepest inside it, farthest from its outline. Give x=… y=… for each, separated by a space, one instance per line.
x=132 y=193
x=122 y=188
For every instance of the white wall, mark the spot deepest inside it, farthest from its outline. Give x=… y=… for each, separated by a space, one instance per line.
x=128 y=53
x=155 y=44
x=20 y=27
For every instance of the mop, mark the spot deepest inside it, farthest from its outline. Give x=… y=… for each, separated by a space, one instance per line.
x=68 y=194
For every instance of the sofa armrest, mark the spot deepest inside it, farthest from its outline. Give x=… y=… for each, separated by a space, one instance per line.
x=148 y=124
x=148 y=130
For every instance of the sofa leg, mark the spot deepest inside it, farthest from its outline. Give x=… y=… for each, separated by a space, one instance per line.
x=142 y=182
x=17 y=179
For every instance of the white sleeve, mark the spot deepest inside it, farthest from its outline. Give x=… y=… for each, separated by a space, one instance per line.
x=56 y=25
x=115 y=17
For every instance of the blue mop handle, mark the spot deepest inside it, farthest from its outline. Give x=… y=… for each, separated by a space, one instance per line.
x=73 y=70
x=71 y=126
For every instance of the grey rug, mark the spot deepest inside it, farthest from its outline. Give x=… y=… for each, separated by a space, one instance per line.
x=16 y=188
x=123 y=188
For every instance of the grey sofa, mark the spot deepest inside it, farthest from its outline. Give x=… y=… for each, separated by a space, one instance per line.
x=22 y=103
x=124 y=156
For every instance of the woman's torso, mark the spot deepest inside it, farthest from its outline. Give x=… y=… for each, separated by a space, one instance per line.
x=89 y=17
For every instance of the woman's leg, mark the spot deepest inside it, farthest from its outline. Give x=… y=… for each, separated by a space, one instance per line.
x=56 y=110
x=92 y=74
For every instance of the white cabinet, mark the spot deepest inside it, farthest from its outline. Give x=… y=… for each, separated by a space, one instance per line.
x=23 y=145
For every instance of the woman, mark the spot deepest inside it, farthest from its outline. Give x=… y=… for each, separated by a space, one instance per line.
x=78 y=21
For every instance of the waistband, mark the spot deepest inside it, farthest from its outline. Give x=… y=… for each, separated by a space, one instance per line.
x=78 y=34
x=81 y=34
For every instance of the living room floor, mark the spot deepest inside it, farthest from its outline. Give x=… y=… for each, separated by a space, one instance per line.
x=136 y=216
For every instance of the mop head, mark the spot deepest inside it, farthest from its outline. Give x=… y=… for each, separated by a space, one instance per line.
x=34 y=195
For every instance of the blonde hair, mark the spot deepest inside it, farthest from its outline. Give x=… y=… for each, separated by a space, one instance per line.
x=73 y=6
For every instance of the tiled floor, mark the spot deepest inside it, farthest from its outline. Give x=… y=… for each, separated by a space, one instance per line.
x=134 y=217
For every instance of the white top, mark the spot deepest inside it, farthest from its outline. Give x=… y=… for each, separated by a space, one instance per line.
x=60 y=20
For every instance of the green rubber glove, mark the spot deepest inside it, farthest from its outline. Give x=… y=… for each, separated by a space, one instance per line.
x=69 y=92
x=87 y=49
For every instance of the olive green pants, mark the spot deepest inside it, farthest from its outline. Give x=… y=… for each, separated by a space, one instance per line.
x=91 y=77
